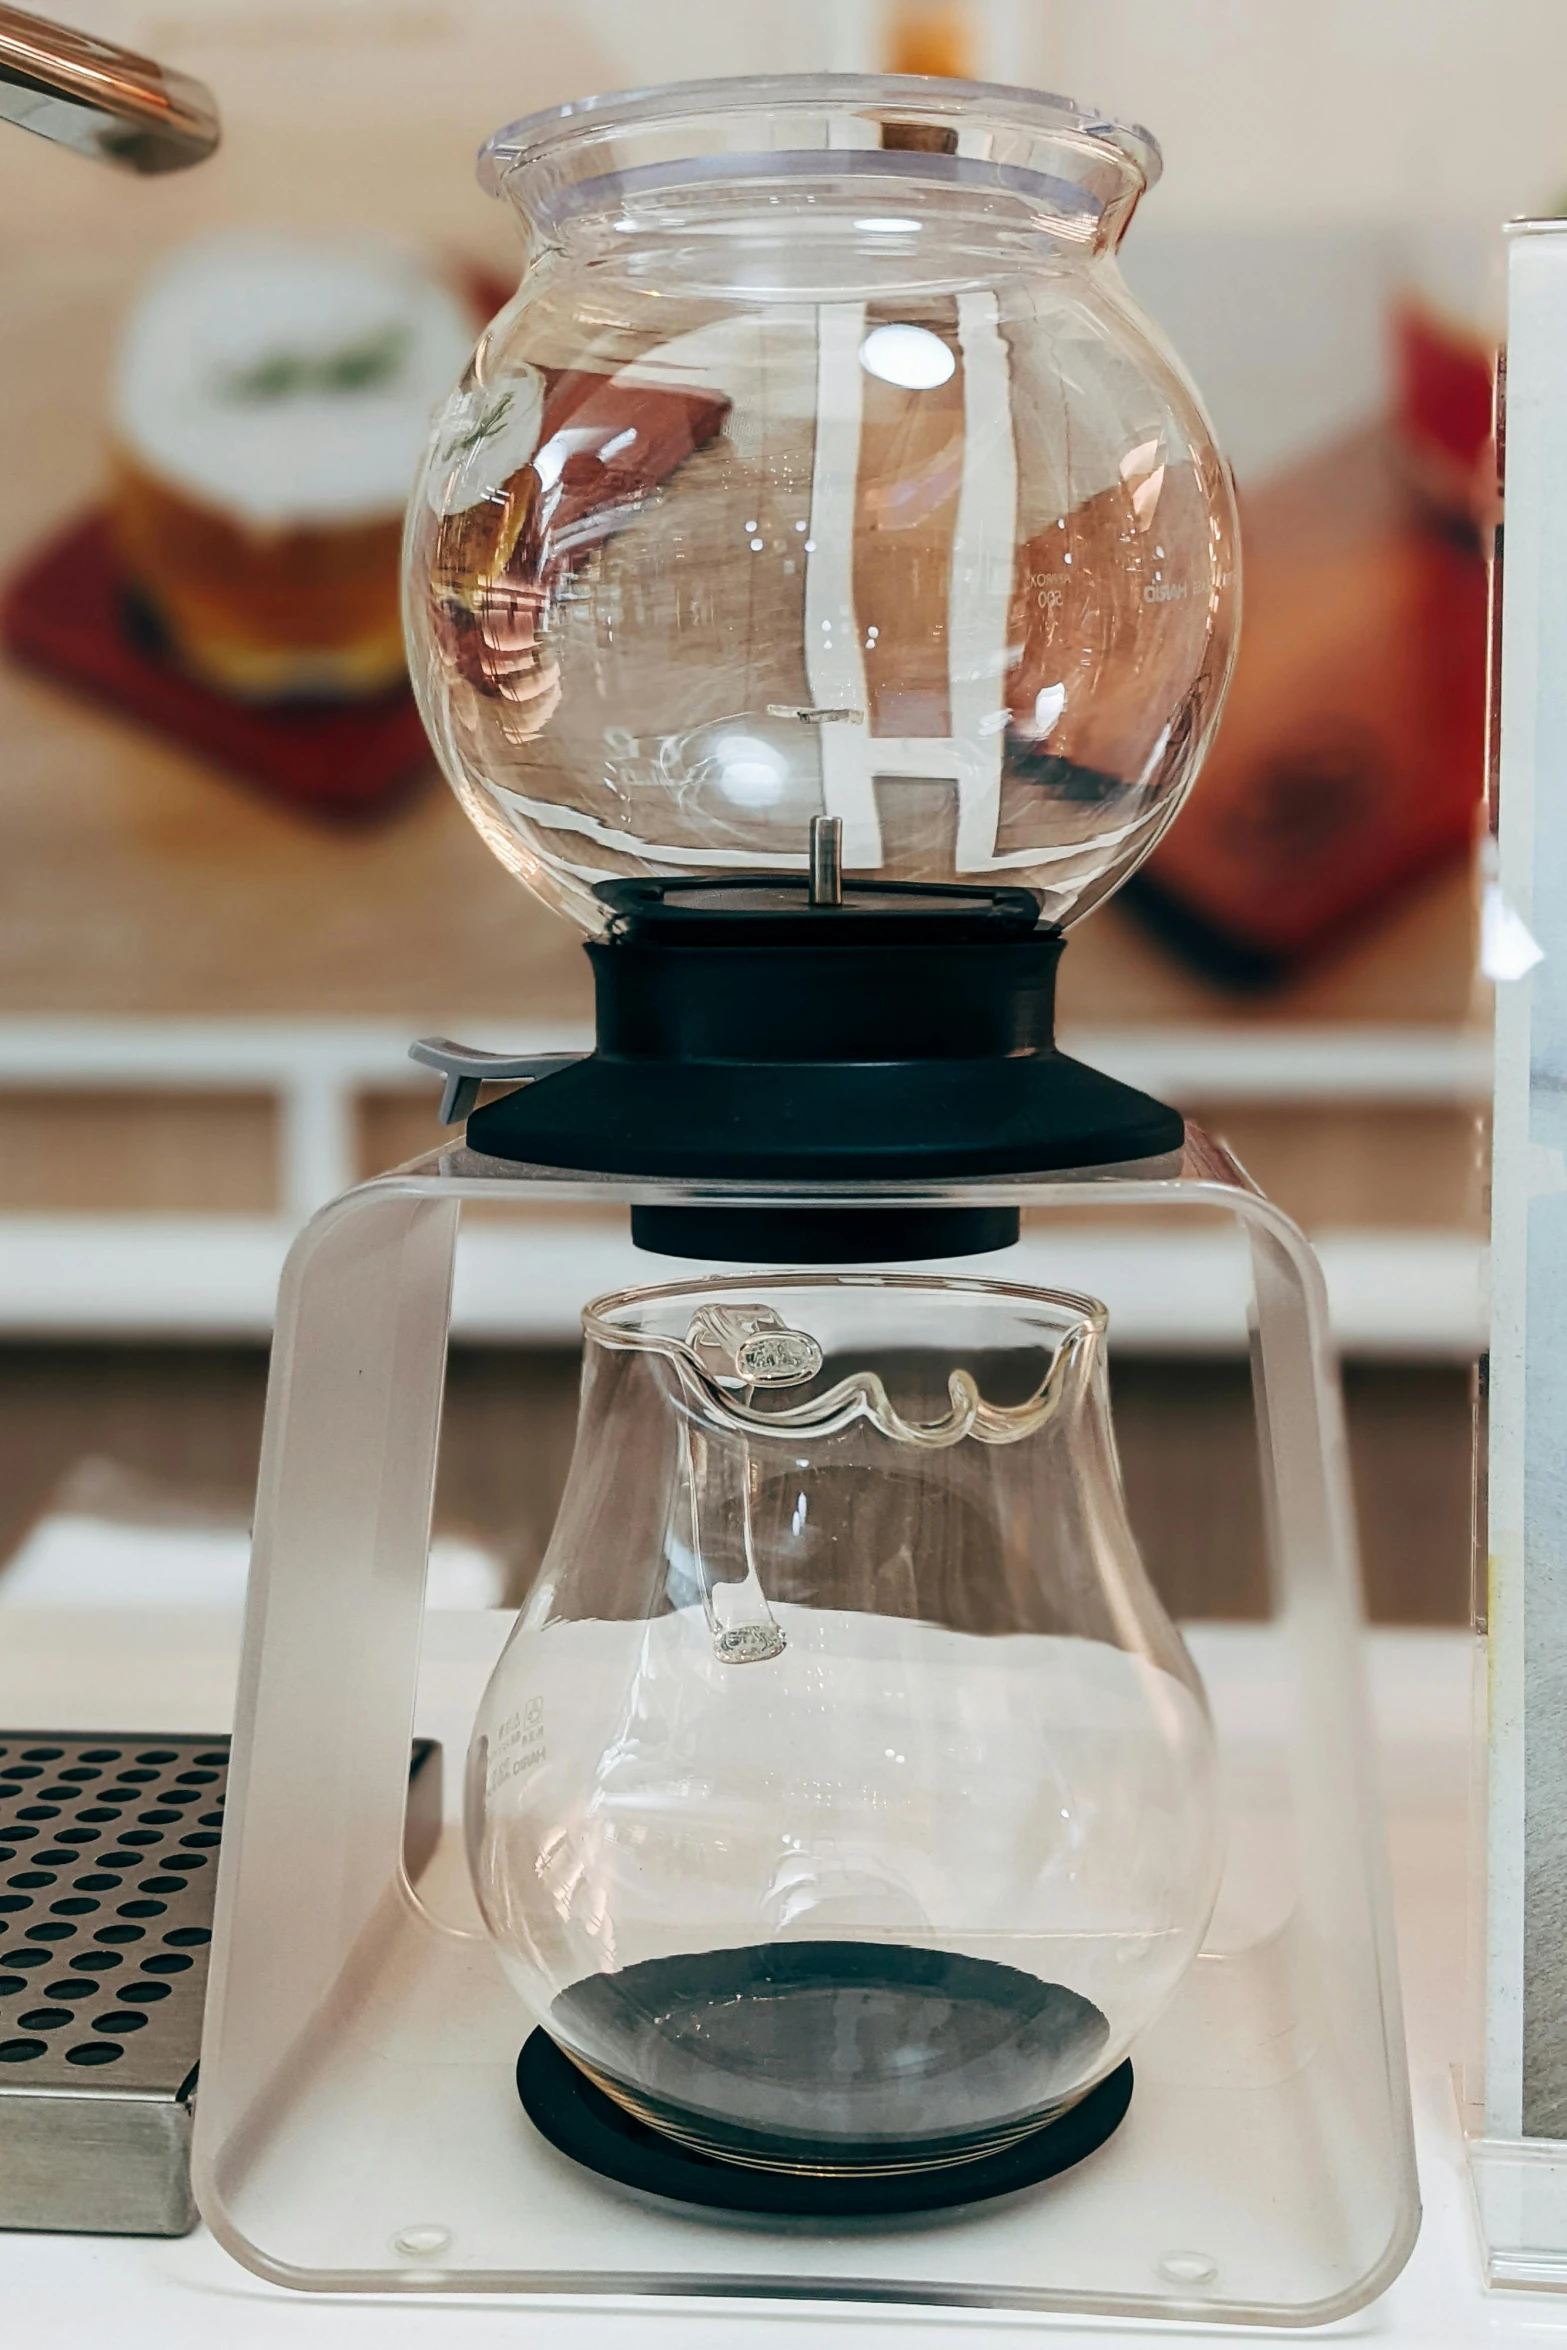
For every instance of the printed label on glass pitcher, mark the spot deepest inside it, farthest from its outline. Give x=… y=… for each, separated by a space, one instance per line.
x=518 y=1747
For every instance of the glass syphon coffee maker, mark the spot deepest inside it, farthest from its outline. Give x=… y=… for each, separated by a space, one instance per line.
x=821 y=589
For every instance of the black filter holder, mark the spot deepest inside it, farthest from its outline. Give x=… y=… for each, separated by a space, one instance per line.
x=745 y=1033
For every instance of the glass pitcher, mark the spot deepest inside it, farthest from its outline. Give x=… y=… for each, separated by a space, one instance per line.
x=844 y=1799
x=821 y=465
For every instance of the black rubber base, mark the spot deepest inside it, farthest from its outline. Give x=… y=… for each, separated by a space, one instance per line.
x=745 y=1035
x=581 y=2122
x=938 y=1119
x=824 y=1236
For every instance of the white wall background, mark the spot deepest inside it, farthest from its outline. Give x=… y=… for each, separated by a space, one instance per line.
x=1316 y=150
x=1280 y=111
x=1274 y=111
x=1316 y=156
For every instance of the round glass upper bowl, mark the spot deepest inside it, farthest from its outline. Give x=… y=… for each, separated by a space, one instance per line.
x=822 y=466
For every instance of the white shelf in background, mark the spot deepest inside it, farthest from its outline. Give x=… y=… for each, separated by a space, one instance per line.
x=1392 y=1294
x=315 y=1069
x=1398 y=1293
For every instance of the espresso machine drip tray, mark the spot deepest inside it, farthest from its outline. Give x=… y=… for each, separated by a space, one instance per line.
x=108 y=1863
x=108 y=1852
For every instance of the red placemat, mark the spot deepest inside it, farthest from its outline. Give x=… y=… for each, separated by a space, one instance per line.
x=66 y=612
x=1351 y=761
x=1444 y=378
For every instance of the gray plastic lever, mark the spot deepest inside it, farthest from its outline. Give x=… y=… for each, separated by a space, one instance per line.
x=466 y=1067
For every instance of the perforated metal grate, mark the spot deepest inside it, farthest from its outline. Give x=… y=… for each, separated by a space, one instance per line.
x=108 y=1868
x=108 y=1856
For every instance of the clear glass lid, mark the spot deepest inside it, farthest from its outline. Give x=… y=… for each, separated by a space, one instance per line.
x=772 y=123
x=822 y=465
x=844 y=1797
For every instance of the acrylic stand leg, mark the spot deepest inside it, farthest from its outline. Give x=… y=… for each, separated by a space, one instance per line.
x=1343 y=1962
x=318 y=1781
x=357 y=2067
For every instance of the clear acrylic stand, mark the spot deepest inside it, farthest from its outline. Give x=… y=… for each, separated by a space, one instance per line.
x=358 y=2128
x=1513 y=2094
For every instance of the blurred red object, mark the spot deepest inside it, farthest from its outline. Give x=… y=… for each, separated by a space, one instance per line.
x=1351 y=759
x=1444 y=373
x=67 y=613
x=485 y=290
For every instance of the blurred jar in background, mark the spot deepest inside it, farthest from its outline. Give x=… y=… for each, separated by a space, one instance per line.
x=271 y=403
x=932 y=36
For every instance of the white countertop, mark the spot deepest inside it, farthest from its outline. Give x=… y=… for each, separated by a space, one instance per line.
x=174 y=1669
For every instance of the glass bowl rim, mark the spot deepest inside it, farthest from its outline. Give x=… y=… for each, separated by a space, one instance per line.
x=553 y=128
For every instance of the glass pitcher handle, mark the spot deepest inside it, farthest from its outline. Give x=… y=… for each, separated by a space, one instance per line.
x=743 y=1627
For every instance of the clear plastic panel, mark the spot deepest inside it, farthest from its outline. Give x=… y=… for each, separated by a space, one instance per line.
x=358 y=2127
x=1514 y=2106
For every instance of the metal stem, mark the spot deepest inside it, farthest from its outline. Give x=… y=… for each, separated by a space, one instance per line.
x=827 y=860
